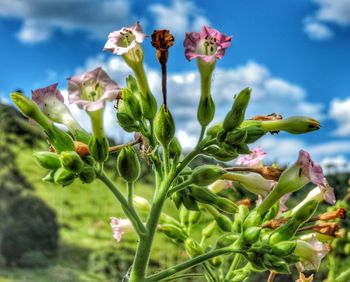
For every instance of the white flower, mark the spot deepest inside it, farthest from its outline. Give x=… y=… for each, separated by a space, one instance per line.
x=119 y=227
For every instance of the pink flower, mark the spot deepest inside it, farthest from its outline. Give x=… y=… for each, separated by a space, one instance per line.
x=41 y=95
x=310 y=169
x=119 y=227
x=122 y=41
x=253 y=159
x=209 y=44
x=91 y=90
x=311 y=252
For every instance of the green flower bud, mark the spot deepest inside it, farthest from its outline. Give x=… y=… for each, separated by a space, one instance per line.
x=71 y=161
x=141 y=203
x=173 y=232
x=206 y=110
x=220 y=154
x=209 y=230
x=293 y=125
x=284 y=248
x=223 y=222
x=47 y=160
x=213 y=131
x=99 y=149
x=164 y=127
x=148 y=105
x=131 y=84
x=275 y=263
x=206 y=174
x=126 y=121
x=131 y=104
x=63 y=176
x=251 y=234
x=184 y=216
x=128 y=164
x=49 y=177
x=305 y=212
x=59 y=139
x=226 y=240
x=236 y=137
x=253 y=219
x=226 y=205
x=253 y=134
x=236 y=115
x=194 y=216
x=175 y=149
x=203 y=195
x=190 y=202
x=88 y=174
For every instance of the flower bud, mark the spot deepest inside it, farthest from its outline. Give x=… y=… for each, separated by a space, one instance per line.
x=164 y=127
x=220 y=154
x=276 y=264
x=49 y=177
x=175 y=149
x=88 y=174
x=226 y=240
x=194 y=216
x=148 y=105
x=128 y=164
x=236 y=115
x=216 y=261
x=251 y=234
x=141 y=203
x=252 y=219
x=190 y=202
x=299 y=124
x=63 y=176
x=203 y=195
x=206 y=175
x=184 y=216
x=173 y=232
x=47 y=160
x=131 y=104
x=223 y=222
x=209 y=230
x=71 y=161
x=126 y=121
x=284 y=248
x=99 y=149
x=236 y=137
x=253 y=134
x=192 y=248
x=206 y=110
x=226 y=205
x=220 y=185
x=60 y=139
x=131 y=84
x=213 y=131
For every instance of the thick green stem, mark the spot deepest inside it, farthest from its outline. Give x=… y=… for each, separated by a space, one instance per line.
x=233 y=267
x=129 y=211
x=97 y=124
x=166 y=159
x=190 y=263
x=130 y=194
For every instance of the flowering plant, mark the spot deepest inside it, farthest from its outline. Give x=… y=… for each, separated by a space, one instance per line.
x=238 y=239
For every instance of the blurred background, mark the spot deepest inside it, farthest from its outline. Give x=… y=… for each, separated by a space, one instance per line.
x=294 y=54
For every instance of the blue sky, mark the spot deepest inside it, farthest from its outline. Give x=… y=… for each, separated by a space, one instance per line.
x=294 y=54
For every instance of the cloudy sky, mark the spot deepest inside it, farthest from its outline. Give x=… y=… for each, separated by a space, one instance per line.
x=294 y=54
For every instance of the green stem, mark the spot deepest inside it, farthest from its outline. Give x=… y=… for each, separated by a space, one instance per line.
x=183 y=276
x=190 y=263
x=130 y=194
x=129 y=211
x=179 y=187
x=233 y=267
x=202 y=134
x=210 y=273
x=166 y=159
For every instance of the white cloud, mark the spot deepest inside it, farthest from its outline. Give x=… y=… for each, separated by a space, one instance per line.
x=335 y=164
x=180 y=17
x=329 y=12
x=41 y=17
x=317 y=31
x=339 y=111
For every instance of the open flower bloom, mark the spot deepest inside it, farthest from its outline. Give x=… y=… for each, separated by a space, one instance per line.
x=91 y=90
x=119 y=227
x=311 y=252
x=253 y=182
x=253 y=159
x=122 y=41
x=220 y=185
x=209 y=44
x=323 y=192
x=51 y=103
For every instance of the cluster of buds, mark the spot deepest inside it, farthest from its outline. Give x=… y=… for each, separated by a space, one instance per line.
x=268 y=236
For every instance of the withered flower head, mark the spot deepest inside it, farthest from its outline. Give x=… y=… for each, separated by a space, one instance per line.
x=327 y=228
x=162 y=40
x=339 y=213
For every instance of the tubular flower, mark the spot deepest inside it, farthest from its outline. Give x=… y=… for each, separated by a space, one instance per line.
x=91 y=90
x=122 y=41
x=310 y=169
x=119 y=227
x=253 y=159
x=209 y=44
x=51 y=103
x=311 y=253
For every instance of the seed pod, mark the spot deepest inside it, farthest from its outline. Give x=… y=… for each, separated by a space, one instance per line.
x=88 y=174
x=71 y=161
x=148 y=105
x=206 y=175
x=253 y=219
x=236 y=115
x=128 y=164
x=47 y=160
x=164 y=126
x=206 y=110
x=63 y=176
